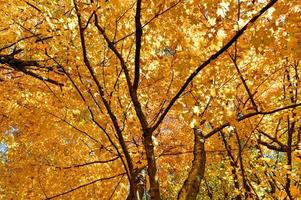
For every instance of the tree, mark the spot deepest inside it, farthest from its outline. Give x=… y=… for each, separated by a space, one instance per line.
x=114 y=99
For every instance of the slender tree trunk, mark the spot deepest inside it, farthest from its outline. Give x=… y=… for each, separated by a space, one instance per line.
x=152 y=168
x=138 y=189
x=289 y=158
x=241 y=166
x=190 y=189
x=233 y=164
x=291 y=129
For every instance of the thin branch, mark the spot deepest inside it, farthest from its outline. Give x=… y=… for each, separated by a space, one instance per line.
x=33 y=6
x=115 y=188
x=271 y=138
x=272 y=147
x=221 y=127
x=234 y=60
x=209 y=60
x=89 y=20
x=90 y=163
x=74 y=127
x=150 y=20
x=250 y=135
x=84 y=185
x=101 y=91
x=111 y=141
x=22 y=66
x=14 y=43
x=133 y=93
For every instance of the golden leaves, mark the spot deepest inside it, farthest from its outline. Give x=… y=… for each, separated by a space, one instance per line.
x=223 y=8
x=57 y=124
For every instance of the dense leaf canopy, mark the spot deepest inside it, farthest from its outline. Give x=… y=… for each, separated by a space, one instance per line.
x=170 y=99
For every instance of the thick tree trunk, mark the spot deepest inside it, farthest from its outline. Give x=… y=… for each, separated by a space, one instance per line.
x=132 y=194
x=152 y=168
x=190 y=189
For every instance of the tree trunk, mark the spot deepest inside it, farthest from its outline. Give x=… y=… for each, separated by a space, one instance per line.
x=190 y=189
x=133 y=189
x=151 y=167
x=233 y=164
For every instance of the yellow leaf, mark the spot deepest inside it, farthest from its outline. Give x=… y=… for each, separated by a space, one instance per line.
x=213 y=92
x=295 y=191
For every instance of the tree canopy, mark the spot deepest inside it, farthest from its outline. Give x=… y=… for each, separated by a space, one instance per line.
x=149 y=99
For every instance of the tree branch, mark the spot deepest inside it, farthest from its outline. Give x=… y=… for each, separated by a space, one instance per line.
x=102 y=95
x=221 y=127
x=138 y=44
x=90 y=163
x=21 y=65
x=84 y=185
x=150 y=20
x=209 y=60
x=244 y=82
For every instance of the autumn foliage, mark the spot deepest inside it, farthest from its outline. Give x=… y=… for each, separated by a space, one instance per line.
x=150 y=99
